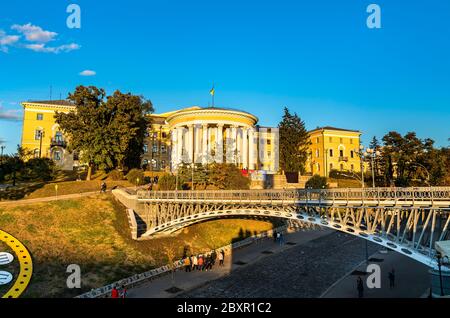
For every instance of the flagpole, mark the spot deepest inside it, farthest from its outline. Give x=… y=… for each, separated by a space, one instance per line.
x=214 y=93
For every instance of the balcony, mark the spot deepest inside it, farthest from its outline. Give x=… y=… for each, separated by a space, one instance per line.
x=343 y=159
x=58 y=143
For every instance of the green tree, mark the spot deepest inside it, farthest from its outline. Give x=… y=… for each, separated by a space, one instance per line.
x=226 y=176
x=106 y=132
x=294 y=143
x=317 y=182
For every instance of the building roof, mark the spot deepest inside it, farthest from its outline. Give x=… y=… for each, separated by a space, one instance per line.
x=334 y=128
x=62 y=102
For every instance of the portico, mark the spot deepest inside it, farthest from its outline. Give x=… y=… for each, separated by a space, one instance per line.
x=208 y=135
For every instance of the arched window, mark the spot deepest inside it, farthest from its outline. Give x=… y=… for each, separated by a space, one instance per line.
x=58 y=136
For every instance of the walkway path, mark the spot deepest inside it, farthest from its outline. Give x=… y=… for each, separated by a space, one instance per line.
x=412 y=279
x=48 y=199
x=247 y=255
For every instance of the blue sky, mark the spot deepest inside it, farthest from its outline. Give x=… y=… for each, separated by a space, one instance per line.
x=318 y=58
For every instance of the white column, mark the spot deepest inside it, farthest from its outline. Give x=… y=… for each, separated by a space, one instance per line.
x=209 y=144
x=174 y=158
x=234 y=144
x=197 y=144
x=205 y=144
x=251 y=149
x=179 y=145
x=239 y=145
x=228 y=154
x=219 y=141
x=245 y=148
x=191 y=143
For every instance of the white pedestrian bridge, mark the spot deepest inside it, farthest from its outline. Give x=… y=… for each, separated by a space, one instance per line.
x=407 y=220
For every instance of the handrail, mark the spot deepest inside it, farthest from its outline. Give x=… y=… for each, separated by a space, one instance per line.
x=432 y=194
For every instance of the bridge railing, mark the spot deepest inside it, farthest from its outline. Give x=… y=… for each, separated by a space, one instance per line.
x=428 y=194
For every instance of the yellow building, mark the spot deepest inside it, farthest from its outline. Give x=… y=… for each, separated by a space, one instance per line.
x=195 y=134
x=41 y=134
x=333 y=149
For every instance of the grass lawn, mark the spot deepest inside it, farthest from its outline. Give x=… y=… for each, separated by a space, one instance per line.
x=93 y=232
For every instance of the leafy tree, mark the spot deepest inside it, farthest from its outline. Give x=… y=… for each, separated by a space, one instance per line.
x=226 y=176
x=167 y=182
x=136 y=176
x=294 y=143
x=106 y=132
x=317 y=182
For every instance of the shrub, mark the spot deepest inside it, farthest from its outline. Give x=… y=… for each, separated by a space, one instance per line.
x=167 y=182
x=317 y=182
x=39 y=169
x=227 y=177
x=135 y=174
x=116 y=175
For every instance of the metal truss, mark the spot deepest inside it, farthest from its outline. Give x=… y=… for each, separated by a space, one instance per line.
x=407 y=220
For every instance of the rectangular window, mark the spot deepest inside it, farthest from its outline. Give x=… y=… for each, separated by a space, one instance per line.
x=352 y=154
x=269 y=154
x=331 y=152
x=155 y=148
x=145 y=148
x=331 y=166
x=37 y=134
x=163 y=149
x=269 y=142
x=57 y=156
x=317 y=140
x=352 y=167
x=164 y=135
x=40 y=116
x=341 y=153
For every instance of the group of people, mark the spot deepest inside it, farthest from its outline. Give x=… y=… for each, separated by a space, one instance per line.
x=203 y=262
x=278 y=237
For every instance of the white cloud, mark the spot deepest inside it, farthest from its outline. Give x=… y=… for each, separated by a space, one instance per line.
x=10 y=115
x=35 y=33
x=7 y=40
x=41 y=47
x=88 y=73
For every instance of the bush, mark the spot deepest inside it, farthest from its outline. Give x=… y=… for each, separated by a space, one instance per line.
x=227 y=177
x=38 y=169
x=116 y=175
x=135 y=174
x=317 y=182
x=167 y=182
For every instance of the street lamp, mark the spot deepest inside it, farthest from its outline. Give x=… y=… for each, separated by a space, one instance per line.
x=41 y=135
x=373 y=154
x=1 y=156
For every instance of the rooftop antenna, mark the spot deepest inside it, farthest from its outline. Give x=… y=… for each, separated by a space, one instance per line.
x=51 y=92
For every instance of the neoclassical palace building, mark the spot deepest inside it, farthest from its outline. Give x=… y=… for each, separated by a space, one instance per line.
x=198 y=135
x=190 y=135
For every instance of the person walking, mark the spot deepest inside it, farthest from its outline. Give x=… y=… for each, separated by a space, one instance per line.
x=194 y=262
x=114 y=292
x=391 y=276
x=213 y=257
x=187 y=264
x=200 y=262
x=360 y=287
x=123 y=292
x=103 y=187
x=221 y=258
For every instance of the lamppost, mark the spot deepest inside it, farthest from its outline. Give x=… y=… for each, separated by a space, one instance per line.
x=373 y=154
x=41 y=136
x=1 y=156
x=439 y=258
x=362 y=155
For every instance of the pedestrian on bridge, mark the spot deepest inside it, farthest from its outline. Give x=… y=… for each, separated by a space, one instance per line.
x=360 y=287
x=123 y=292
x=114 y=292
